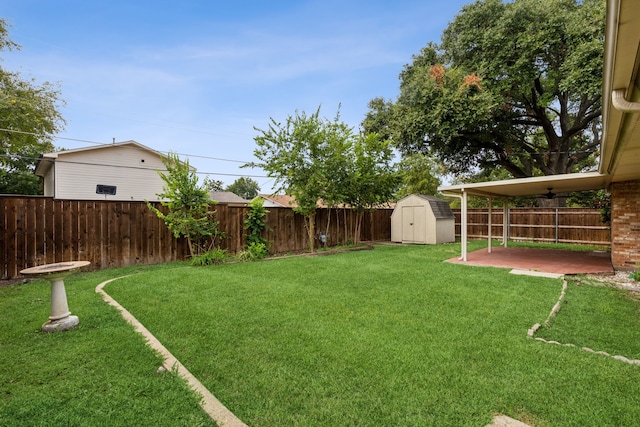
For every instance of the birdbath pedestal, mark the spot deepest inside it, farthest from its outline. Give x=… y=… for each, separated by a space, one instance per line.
x=61 y=318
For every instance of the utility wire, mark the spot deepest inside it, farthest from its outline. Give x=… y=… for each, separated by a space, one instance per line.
x=123 y=166
x=103 y=143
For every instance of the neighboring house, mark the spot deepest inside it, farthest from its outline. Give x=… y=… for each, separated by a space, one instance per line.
x=619 y=167
x=228 y=198
x=284 y=201
x=278 y=201
x=119 y=171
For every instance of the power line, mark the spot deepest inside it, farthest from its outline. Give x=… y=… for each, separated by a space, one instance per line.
x=103 y=143
x=123 y=166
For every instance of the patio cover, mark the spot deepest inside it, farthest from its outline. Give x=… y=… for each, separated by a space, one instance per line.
x=620 y=146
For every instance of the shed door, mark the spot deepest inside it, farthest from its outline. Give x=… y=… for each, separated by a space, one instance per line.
x=414 y=227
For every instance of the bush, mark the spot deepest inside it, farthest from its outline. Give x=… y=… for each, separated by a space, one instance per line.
x=212 y=257
x=255 y=251
x=256 y=222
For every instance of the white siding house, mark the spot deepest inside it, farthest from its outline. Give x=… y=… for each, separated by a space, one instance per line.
x=127 y=168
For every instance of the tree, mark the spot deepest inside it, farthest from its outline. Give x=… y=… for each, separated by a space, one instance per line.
x=29 y=119
x=315 y=159
x=189 y=213
x=419 y=175
x=513 y=85
x=300 y=154
x=212 y=184
x=246 y=188
x=370 y=179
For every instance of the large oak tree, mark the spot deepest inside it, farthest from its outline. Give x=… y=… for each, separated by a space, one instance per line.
x=513 y=85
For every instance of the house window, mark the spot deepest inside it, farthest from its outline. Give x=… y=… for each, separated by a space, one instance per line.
x=109 y=190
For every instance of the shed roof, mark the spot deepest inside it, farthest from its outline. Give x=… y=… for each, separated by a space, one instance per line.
x=439 y=207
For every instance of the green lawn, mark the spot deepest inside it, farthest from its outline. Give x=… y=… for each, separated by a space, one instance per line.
x=100 y=374
x=598 y=317
x=387 y=337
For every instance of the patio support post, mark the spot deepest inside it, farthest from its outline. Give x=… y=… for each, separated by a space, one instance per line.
x=505 y=222
x=489 y=225
x=463 y=225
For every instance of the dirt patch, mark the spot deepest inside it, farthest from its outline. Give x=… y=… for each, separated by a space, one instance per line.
x=619 y=279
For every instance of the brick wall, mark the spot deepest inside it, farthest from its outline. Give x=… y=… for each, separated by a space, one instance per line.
x=625 y=224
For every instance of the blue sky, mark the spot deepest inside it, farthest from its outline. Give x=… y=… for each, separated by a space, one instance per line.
x=196 y=77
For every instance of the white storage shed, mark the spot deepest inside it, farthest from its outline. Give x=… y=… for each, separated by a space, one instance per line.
x=422 y=219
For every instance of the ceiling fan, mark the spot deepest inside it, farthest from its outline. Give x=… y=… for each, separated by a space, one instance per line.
x=550 y=195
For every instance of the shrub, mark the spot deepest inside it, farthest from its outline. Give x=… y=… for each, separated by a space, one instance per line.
x=255 y=222
x=254 y=252
x=212 y=257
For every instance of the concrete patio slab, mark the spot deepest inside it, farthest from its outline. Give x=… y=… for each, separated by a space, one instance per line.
x=544 y=260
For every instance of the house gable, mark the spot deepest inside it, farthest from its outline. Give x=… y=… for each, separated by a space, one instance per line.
x=129 y=167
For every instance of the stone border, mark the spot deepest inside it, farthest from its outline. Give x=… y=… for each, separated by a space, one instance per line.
x=556 y=308
x=212 y=406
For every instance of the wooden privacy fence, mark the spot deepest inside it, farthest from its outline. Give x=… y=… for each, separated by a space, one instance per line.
x=551 y=225
x=40 y=230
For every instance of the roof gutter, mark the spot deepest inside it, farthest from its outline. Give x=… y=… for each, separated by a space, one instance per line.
x=621 y=104
x=611 y=37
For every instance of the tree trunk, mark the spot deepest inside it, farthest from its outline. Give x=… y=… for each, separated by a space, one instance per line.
x=311 y=228
x=358 y=227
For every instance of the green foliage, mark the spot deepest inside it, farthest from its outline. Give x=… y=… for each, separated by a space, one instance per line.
x=254 y=252
x=419 y=174
x=598 y=199
x=256 y=222
x=370 y=179
x=513 y=85
x=32 y=110
x=317 y=159
x=246 y=188
x=212 y=184
x=302 y=155
x=189 y=206
x=211 y=257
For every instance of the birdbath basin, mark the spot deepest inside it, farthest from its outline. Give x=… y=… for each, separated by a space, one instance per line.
x=61 y=318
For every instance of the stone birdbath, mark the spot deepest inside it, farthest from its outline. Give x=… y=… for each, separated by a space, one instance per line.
x=61 y=318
